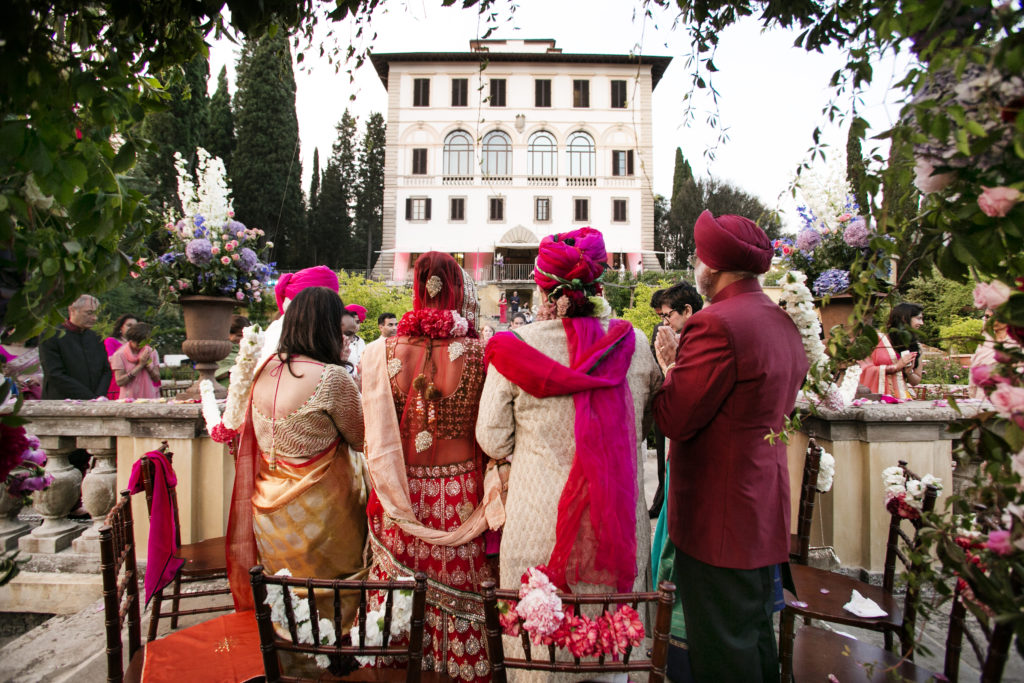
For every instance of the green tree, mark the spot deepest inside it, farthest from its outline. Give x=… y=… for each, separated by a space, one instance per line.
x=179 y=129
x=943 y=301
x=220 y=135
x=661 y=209
x=314 y=192
x=334 y=242
x=855 y=171
x=377 y=297
x=369 y=210
x=677 y=239
x=265 y=167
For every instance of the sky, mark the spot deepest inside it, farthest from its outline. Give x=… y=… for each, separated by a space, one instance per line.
x=771 y=94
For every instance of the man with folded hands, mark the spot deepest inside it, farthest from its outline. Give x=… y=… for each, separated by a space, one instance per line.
x=731 y=379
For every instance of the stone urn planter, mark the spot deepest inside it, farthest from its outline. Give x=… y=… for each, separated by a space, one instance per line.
x=836 y=312
x=207 y=325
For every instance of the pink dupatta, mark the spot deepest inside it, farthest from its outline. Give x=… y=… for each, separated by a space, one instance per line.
x=603 y=473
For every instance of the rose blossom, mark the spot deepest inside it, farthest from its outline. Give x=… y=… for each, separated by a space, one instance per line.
x=926 y=181
x=996 y=202
x=225 y=260
x=981 y=375
x=999 y=542
x=990 y=294
x=1009 y=403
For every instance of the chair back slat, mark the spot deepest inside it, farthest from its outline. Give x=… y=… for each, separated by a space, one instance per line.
x=655 y=666
x=120 y=593
x=808 y=497
x=271 y=644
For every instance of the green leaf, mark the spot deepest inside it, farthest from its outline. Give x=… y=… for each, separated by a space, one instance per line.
x=125 y=158
x=73 y=247
x=50 y=267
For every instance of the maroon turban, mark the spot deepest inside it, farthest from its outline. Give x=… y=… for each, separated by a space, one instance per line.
x=290 y=284
x=570 y=256
x=732 y=243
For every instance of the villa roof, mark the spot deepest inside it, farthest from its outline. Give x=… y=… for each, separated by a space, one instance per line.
x=382 y=61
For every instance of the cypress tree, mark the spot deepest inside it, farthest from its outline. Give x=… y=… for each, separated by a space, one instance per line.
x=265 y=168
x=678 y=229
x=855 y=171
x=336 y=201
x=369 y=227
x=179 y=128
x=220 y=136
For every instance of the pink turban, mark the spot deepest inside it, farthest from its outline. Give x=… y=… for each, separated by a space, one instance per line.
x=358 y=311
x=290 y=284
x=570 y=256
x=732 y=243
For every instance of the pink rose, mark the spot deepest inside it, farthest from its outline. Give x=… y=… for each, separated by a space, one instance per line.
x=981 y=376
x=996 y=202
x=229 y=246
x=1009 y=403
x=990 y=294
x=225 y=260
x=999 y=542
x=214 y=250
x=239 y=295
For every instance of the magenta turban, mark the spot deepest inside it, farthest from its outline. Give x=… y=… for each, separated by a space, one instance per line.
x=564 y=257
x=358 y=311
x=732 y=243
x=290 y=284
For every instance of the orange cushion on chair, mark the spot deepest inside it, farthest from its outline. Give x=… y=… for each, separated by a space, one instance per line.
x=222 y=650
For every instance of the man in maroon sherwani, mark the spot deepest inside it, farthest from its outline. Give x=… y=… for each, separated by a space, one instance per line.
x=734 y=379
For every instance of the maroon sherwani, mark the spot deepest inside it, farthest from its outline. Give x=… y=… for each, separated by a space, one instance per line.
x=739 y=366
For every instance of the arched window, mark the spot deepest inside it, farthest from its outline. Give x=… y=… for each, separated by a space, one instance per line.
x=458 y=153
x=581 y=155
x=542 y=154
x=497 y=154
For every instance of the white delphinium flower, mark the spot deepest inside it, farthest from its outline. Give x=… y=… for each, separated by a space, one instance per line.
x=824 y=190
x=210 y=196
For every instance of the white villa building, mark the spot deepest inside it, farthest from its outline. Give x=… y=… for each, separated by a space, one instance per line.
x=489 y=150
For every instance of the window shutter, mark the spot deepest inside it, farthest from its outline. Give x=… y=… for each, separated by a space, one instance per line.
x=615 y=163
x=408 y=208
x=629 y=162
x=426 y=210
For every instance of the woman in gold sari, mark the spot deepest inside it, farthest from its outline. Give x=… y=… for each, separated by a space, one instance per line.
x=300 y=493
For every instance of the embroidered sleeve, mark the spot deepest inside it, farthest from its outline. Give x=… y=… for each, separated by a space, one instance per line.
x=344 y=405
x=496 y=422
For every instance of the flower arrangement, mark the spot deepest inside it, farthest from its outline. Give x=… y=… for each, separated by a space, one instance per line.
x=825 y=248
x=540 y=613
x=303 y=620
x=224 y=429
x=210 y=253
x=904 y=496
x=799 y=304
x=401 y=617
x=21 y=462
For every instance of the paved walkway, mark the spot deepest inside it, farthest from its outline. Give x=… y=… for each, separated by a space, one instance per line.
x=72 y=648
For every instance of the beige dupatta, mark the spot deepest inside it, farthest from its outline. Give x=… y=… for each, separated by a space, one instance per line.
x=386 y=463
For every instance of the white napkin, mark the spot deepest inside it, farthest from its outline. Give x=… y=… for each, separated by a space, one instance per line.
x=864 y=607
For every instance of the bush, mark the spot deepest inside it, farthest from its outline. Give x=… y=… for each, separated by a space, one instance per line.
x=943 y=370
x=377 y=297
x=641 y=314
x=962 y=335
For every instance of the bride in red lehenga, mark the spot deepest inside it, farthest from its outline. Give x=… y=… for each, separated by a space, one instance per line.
x=430 y=505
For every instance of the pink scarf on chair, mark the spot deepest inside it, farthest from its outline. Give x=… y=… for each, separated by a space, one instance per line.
x=161 y=564
x=603 y=473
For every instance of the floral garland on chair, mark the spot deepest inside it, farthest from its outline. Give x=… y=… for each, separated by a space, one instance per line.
x=548 y=623
x=303 y=621
x=223 y=430
x=905 y=496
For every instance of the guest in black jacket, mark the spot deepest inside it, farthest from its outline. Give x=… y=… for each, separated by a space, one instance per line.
x=74 y=361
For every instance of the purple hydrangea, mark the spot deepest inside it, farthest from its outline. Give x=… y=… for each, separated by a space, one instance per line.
x=234 y=228
x=808 y=239
x=832 y=281
x=199 y=251
x=247 y=259
x=857 y=234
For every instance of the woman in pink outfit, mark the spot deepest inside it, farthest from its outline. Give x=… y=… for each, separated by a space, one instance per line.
x=136 y=366
x=113 y=343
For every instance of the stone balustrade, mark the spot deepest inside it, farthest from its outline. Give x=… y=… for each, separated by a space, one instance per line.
x=864 y=441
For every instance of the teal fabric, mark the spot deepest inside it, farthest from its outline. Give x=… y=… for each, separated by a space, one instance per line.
x=663 y=557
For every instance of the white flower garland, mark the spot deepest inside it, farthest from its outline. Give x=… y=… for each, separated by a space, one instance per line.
x=826 y=472
x=249 y=350
x=909 y=491
x=401 y=617
x=238 y=389
x=303 y=622
x=799 y=304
